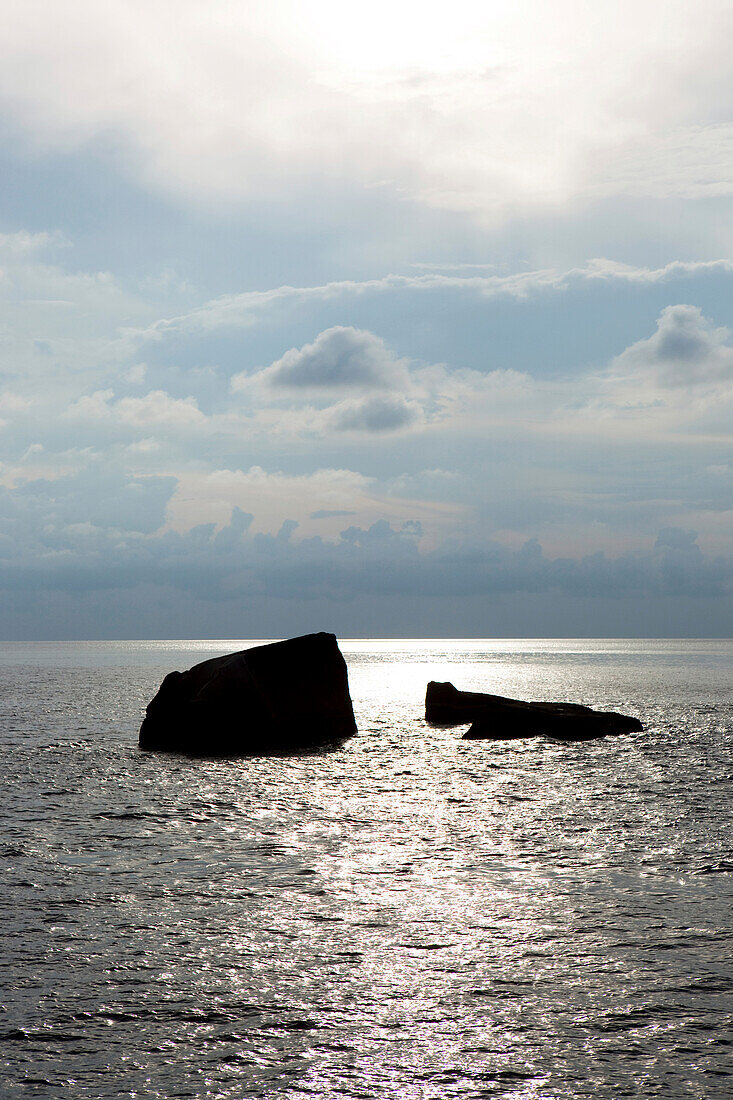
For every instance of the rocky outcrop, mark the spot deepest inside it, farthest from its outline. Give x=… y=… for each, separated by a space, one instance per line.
x=498 y=718
x=273 y=696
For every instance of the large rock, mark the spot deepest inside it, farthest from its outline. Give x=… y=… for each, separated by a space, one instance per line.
x=498 y=718
x=270 y=696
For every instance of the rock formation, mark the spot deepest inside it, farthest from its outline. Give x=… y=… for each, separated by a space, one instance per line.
x=274 y=696
x=495 y=717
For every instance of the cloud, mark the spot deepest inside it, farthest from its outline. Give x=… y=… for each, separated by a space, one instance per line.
x=156 y=410
x=339 y=358
x=374 y=414
x=92 y=406
x=13 y=403
x=271 y=496
x=160 y=410
x=61 y=328
x=496 y=109
x=324 y=495
x=686 y=161
x=676 y=538
x=379 y=560
x=329 y=513
x=22 y=244
x=136 y=373
x=245 y=309
x=44 y=513
x=686 y=350
x=592 y=459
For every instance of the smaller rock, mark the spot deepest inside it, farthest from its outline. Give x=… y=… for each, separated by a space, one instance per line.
x=496 y=717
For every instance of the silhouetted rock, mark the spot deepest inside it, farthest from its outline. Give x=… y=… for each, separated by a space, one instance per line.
x=497 y=718
x=275 y=696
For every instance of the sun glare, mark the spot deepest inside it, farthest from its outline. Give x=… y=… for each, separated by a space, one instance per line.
x=403 y=37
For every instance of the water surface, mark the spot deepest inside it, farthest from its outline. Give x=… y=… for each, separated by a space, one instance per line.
x=407 y=915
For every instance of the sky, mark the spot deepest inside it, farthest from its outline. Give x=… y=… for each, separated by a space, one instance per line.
x=386 y=319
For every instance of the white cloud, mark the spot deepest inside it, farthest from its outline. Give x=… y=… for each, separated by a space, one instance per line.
x=492 y=108
x=527 y=454
x=22 y=244
x=687 y=161
x=144 y=447
x=245 y=309
x=316 y=501
x=158 y=409
x=61 y=329
x=136 y=373
x=92 y=406
x=13 y=402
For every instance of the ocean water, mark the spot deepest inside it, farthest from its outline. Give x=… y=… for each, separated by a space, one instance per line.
x=407 y=915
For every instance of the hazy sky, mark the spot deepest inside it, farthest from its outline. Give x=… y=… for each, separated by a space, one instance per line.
x=389 y=319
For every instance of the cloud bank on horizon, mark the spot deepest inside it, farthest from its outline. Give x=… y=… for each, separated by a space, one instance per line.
x=319 y=316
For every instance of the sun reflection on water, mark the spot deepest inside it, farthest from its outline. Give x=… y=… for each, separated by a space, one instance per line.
x=402 y=915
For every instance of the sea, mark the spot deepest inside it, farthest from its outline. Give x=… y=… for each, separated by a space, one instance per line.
x=402 y=915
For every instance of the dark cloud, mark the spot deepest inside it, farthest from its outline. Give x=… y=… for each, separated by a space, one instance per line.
x=680 y=341
x=328 y=513
x=686 y=349
x=339 y=358
x=374 y=414
x=676 y=538
x=375 y=561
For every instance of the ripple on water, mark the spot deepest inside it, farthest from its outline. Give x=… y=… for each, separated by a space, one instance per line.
x=403 y=915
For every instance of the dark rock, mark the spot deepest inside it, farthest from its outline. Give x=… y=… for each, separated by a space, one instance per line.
x=499 y=718
x=283 y=695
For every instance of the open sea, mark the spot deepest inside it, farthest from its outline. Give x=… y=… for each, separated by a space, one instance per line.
x=406 y=915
